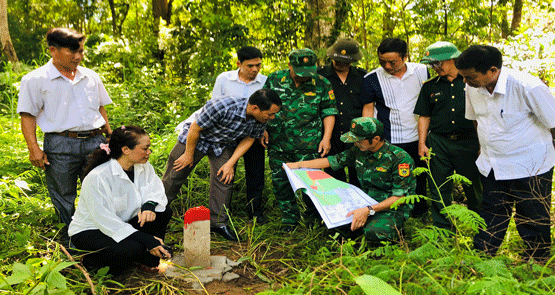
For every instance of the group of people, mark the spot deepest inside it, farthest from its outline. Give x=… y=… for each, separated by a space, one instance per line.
x=489 y=123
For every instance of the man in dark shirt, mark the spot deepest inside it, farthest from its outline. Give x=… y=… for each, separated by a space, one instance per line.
x=346 y=81
x=443 y=128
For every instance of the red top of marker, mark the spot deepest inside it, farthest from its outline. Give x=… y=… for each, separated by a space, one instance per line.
x=196 y=214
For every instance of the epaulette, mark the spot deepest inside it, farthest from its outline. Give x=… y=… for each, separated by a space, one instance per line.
x=431 y=79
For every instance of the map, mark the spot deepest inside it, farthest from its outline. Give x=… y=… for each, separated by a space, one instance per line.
x=332 y=198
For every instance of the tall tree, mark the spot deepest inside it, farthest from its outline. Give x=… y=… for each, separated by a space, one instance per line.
x=517 y=15
x=5 y=39
x=324 y=21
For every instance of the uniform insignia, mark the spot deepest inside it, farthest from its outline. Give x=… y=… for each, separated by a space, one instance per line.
x=427 y=53
x=354 y=125
x=310 y=94
x=404 y=170
x=283 y=79
x=332 y=96
x=343 y=51
x=435 y=94
x=381 y=169
x=305 y=59
x=279 y=89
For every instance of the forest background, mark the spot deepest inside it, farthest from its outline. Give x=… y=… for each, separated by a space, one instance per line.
x=159 y=60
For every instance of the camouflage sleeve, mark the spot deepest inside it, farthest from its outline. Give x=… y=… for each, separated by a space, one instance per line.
x=327 y=104
x=343 y=159
x=404 y=181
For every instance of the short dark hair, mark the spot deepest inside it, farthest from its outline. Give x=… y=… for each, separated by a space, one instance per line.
x=480 y=58
x=64 y=37
x=248 y=52
x=393 y=45
x=264 y=99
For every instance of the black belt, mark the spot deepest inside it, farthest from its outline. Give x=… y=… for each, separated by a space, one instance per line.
x=80 y=134
x=459 y=136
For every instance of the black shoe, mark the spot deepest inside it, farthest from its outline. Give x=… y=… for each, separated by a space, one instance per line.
x=287 y=228
x=260 y=219
x=225 y=232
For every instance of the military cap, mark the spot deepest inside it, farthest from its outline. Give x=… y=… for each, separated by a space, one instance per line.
x=440 y=51
x=363 y=128
x=345 y=50
x=303 y=62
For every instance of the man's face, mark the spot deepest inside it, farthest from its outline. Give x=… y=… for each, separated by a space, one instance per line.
x=444 y=67
x=267 y=115
x=340 y=67
x=367 y=145
x=250 y=68
x=66 y=58
x=392 y=62
x=476 y=79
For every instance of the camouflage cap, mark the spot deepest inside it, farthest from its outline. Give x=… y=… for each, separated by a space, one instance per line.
x=440 y=51
x=303 y=62
x=345 y=50
x=363 y=128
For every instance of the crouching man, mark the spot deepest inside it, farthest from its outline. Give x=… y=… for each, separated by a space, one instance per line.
x=384 y=172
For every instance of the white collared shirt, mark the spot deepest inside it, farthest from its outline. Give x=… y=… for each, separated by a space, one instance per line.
x=514 y=125
x=399 y=99
x=228 y=84
x=61 y=104
x=109 y=199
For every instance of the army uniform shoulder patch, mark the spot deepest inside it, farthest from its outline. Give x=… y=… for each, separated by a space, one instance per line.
x=332 y=96
x=404 y=170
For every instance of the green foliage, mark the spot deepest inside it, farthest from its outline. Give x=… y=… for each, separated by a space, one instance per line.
x=37 y=276
x=372 y=285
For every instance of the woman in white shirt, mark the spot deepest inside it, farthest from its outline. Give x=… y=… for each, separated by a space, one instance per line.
x=121 y=216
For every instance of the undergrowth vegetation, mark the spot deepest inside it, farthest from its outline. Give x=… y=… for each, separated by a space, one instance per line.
x=311 y=260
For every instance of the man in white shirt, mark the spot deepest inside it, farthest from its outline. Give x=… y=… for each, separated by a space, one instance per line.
x=392 y=91
x=67 y=102
x=242 y=83
x=514 y=113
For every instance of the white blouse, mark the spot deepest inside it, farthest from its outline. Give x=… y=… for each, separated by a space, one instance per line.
x=109 y=199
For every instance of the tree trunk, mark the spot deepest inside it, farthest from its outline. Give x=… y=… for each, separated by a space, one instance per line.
x=324 y=21
x=517 y=15
x=114 y=17
x=5 y=39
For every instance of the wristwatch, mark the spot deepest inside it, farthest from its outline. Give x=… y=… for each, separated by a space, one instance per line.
x=372 y=212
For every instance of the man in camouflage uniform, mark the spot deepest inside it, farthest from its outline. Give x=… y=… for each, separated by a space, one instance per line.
x=302 y=128
x=384 y=172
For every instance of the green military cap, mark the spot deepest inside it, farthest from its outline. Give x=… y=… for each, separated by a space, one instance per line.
x=440 y=51
x=363 y=128
x=345 y=50
x=303 y=62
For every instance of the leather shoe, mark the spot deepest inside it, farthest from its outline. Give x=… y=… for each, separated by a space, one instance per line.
x=225 y=232
x=287 y=228
x=260 y=219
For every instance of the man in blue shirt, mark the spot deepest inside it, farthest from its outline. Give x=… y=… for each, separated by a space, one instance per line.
x=214 y=133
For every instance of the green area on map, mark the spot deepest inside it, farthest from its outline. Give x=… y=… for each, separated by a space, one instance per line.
x=324 y=186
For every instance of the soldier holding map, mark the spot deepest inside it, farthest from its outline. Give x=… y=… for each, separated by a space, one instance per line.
x=384 y=172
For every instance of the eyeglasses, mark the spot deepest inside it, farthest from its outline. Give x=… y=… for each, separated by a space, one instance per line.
x=436 y=64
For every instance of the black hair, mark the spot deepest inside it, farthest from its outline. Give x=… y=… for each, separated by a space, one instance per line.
x=64 y=37
x=480 y=58
x=393 y=45
x=124 y=136
x=248 y=52
x=264 y=99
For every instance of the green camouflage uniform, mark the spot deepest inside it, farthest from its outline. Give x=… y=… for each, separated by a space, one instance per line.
x=385 y=173
x=296 y=131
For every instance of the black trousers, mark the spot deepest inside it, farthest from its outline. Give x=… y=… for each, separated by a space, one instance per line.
x=531 y=198
x=254 y=174
x=104 y=251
